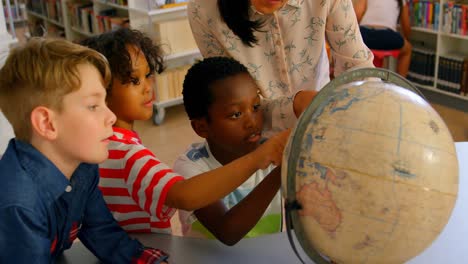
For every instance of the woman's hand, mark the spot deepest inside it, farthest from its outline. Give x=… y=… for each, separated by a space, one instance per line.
x=302 y=100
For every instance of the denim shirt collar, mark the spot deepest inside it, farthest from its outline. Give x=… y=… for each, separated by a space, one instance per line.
x=49 y=177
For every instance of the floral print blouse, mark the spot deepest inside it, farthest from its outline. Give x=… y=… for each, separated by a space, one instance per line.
x=291 y=54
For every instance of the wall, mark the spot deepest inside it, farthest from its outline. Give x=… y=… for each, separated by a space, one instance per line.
x=5 y=37
x=6 y=131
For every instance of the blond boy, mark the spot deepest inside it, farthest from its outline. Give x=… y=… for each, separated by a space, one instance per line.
x=52 y=92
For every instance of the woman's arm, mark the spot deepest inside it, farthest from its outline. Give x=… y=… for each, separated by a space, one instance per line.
x=207 y=43
x=343 y=34
x=302 y=100
x=281 y=113
x=360 y=7
x=405 y=21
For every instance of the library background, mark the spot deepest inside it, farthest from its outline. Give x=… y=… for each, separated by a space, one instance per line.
x=439 y=63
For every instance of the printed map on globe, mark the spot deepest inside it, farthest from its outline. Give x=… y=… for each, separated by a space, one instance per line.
x=375 y=172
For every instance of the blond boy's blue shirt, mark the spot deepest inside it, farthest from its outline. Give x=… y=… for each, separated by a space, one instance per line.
x=42 y=212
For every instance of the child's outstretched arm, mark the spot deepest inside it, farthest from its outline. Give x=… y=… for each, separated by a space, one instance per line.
x=230 y=226
x=157 y=189
x=206 y=188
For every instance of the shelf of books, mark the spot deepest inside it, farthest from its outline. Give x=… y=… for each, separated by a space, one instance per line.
x=439 y=62
x=45 y=18
x=17 y=11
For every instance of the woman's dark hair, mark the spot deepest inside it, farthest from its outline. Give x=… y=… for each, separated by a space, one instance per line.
x=400 y=4
x=235 y=13
x=197 y=90
x=113 y=46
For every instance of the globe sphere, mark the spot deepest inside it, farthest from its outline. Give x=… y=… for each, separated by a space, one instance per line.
x=372 y=171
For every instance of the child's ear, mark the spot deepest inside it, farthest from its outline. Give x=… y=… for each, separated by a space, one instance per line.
x=42 y=122
x=200 y=126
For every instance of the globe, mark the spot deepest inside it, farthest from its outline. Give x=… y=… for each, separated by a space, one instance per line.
x=370 y=172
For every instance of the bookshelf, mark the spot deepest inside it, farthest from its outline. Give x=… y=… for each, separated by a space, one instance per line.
x=169 y=27
x=78 y=19
x=14 y=12
x=47 y=18
x=440 y=47
x=17 y=11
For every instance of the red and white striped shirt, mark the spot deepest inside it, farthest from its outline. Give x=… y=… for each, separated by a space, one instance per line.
x=135 y=183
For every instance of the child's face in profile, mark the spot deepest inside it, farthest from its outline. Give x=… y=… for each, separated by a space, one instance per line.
x=236 y=119
x=134 y=100
x=85 y=123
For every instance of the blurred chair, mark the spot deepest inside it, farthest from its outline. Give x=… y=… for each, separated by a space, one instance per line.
x=381 y=57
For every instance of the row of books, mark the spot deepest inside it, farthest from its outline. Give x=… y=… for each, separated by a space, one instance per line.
x=169 y=83
x=16 y=13
x=83 y=18
x=422 y=66
x=108 y=20
x=455 y=17
x=424 y=13
x=48 y=8
x=453 y=74
x=36 y=6
x=38 y=28
x=118 y=2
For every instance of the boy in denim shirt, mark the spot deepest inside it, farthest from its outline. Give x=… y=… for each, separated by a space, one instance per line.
x=53 y=93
